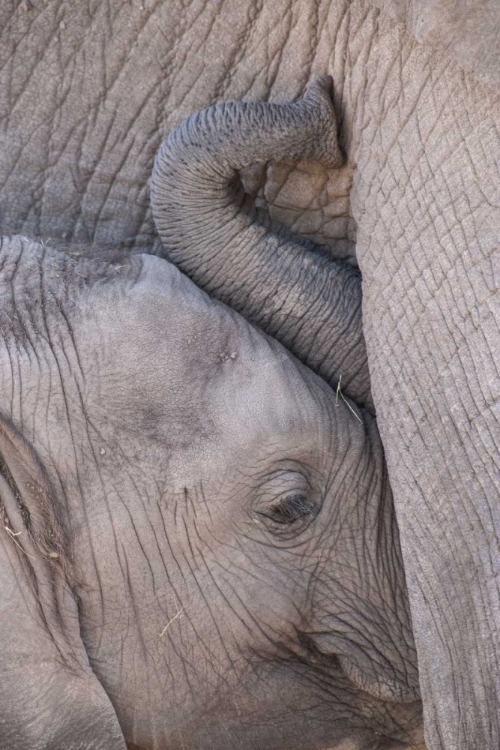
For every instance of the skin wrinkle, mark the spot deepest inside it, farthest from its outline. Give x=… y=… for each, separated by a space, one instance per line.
x=213 y=660
x=250 y=619
x=182 y=575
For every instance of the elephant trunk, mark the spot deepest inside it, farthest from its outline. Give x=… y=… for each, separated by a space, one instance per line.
x=213 y=232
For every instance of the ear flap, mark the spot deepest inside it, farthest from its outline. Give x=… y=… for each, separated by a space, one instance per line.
x=50 y=697
x=35 y=505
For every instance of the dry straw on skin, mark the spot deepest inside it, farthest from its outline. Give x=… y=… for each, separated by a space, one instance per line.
x=175 y=617
x=339 y=393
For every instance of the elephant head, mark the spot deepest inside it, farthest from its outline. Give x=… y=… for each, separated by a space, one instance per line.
x=193 y=522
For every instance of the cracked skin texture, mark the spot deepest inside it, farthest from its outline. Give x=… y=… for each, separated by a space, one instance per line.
x=87 y=92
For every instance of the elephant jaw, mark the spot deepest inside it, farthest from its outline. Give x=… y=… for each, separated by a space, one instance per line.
x=387 y=682
x=368 y=682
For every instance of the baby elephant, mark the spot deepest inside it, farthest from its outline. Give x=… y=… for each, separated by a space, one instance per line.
x=198 y=544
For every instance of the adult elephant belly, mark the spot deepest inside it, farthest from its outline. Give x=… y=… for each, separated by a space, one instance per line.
x=426 y=200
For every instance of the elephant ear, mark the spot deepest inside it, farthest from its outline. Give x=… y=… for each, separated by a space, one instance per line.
x=50 y=697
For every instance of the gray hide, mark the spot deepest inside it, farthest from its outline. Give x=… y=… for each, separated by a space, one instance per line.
x=87 y=92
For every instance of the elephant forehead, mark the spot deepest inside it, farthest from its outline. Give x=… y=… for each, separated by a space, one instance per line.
x=178 y=365
x=151 y=359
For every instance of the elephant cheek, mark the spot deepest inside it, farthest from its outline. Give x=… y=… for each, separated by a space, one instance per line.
x=378 y=686
x=379 y=670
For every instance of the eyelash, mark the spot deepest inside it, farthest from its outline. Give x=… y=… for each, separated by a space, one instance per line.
x=290 y=509
x=287 y=500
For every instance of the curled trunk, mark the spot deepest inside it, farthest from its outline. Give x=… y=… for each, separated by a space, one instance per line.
x=213 y=232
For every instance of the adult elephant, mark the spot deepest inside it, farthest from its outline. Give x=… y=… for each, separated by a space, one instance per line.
x=89 y=91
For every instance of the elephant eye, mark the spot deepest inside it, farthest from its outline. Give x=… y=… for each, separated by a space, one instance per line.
x=286 y=502
x=289 y=509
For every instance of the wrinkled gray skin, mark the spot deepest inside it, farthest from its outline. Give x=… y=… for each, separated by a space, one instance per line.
x=87 y=92
x=199 y=545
